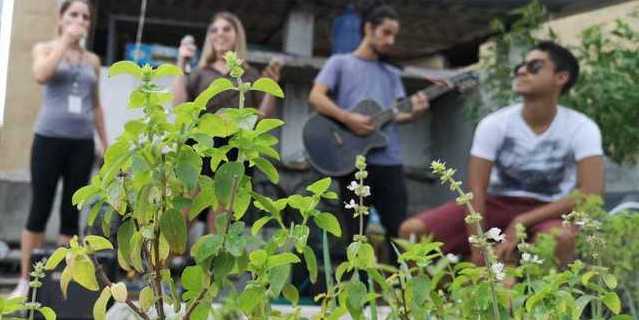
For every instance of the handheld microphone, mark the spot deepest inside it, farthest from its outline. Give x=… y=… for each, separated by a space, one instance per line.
x=188 y=40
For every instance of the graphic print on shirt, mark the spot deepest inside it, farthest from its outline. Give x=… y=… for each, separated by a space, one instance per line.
x=539 y=170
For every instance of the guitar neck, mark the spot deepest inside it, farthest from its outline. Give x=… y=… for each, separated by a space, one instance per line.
x=432 y=92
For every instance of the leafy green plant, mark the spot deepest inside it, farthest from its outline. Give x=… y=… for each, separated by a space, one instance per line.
x=10 y=307
x=151 y=178
x=607 y=89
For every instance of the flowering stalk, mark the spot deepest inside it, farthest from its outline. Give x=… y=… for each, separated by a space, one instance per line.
x=480 y=239
x=527 y=257
x=37 y=274
x=590 y=228
x=361 y=191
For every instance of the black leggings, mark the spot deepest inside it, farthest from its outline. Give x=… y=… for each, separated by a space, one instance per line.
x=52 y=158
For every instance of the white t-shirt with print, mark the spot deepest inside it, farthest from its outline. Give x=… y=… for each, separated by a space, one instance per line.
x=540 y=166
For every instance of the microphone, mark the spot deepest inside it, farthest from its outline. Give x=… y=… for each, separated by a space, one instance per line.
x=189 y=41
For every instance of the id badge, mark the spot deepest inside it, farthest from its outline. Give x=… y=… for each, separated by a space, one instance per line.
x=75 y=104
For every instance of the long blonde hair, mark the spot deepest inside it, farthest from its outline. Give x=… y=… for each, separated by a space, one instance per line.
x=209 y=54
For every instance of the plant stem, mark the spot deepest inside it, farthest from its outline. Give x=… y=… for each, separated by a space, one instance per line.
x=488 y=255
x=328 y=268
x=157 y=267
x=196 y=302
x=373 y=305
x=106 y=282
x=33 y=300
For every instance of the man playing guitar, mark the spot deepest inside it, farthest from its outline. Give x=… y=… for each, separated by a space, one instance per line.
x=353 y=77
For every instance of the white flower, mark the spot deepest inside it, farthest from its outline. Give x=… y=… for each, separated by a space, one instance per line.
x=364 y=191
x=495 y=234
x=498 y=271
x=351 y=205
x=530 y=258
x=353 y=185
x=473 y=240
x=452 y=258
x=580 y=222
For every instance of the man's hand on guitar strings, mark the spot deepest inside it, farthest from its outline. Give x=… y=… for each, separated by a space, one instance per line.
x=359 y=124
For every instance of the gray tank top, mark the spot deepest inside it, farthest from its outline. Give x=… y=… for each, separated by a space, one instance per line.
x=65 y=117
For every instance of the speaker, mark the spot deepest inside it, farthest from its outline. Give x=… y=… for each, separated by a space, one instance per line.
x=79 y=302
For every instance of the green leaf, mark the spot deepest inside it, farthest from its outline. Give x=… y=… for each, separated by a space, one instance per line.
x=268 y=169
x=267 y=125
x=622 y=317
x=217 y=126
x=235 y=239
x=188 y=167
x=610 y=280
x=269 y=86
x=201 y=312
x=65 y=279
x=586 y=277
x=222 y=265
x=265 y=203
x=250 y=298
x=226 y=177
x=341 y=269
x=173 y=228
x=137 y=99
x=124 y=235
x=258 y=258
x=47 y=313
x=99 y=308
x=356 y=298
x=580 y=305
x=361 y=255
x=291 y=294
x=328 y=222
x=311 y=263
x=56 y=258
x=83 y=272
x=219 y=85
x=301 y=203
x=278 y=277
x=281 y=259
x=135 y=252
x=257 y=225
x=611 y=300
x=146 y=298
x=242 y=200
x=320 y=186
x=93 y=213
x=244 y=118
x=206 y=247
x=119 y=292
x=125 y=67
x=167 y=70
x=204 y=199
x=300 y=233
x=193 y=278
x=330 y=195
x=83 y=194
x=98 y=243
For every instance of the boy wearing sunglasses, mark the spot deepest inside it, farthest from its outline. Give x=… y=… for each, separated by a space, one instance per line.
x=525 y=161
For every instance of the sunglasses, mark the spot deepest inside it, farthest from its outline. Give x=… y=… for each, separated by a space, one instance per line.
x=532 y=66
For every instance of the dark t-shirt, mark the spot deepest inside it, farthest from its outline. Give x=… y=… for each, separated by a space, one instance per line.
x=201 y=78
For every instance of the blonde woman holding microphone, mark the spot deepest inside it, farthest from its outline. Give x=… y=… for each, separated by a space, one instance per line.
x=225 y=33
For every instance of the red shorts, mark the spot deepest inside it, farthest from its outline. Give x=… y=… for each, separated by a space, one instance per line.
x=446 y=223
